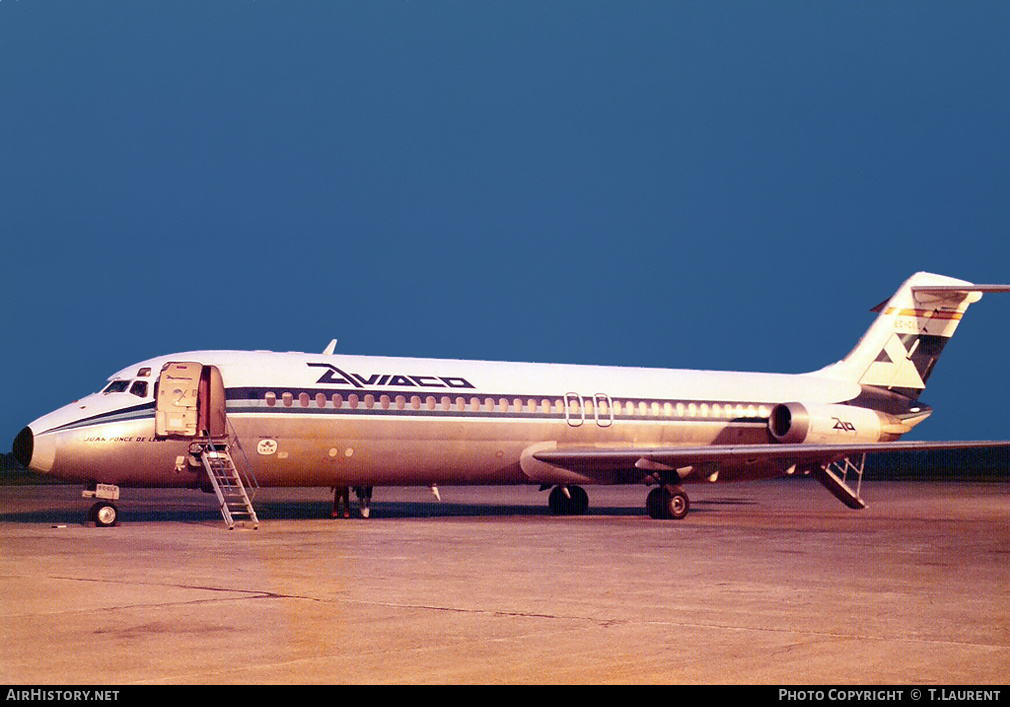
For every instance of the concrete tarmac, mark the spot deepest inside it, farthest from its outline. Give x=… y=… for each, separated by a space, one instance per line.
x=770 y=582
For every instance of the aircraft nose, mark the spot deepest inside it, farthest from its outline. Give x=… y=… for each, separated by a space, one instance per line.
x=24 y=447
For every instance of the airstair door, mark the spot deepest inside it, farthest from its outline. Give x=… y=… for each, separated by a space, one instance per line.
x=190 y=401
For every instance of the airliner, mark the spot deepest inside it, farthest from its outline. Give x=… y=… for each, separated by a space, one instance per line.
x=225 y=421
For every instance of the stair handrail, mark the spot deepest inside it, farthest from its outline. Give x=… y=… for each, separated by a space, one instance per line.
x=249 y=476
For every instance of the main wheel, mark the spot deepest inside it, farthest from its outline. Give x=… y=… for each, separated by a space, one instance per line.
x=579 y=502
x=557 y=502
x=665 y=503
x=104 y=514
x=574 y=503
x=678 y=505
x=655 y=502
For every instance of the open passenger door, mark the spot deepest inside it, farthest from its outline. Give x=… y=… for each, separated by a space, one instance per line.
x=190 y=401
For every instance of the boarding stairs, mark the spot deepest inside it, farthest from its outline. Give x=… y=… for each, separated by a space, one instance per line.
x=835 y=477
x=226 y=480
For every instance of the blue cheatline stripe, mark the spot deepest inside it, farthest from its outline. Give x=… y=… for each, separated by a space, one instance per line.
x=137 y=412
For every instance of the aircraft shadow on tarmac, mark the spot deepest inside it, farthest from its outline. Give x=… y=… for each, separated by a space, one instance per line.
x=141 y=512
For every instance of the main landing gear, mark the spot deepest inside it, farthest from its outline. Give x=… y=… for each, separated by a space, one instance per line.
x=568 y=501
x=666 y=503
x=662 y=503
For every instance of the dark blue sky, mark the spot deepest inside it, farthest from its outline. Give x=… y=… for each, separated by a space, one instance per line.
x=725 y=185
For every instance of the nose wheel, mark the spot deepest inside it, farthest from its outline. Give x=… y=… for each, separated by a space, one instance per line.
x=667 y=503
x=104 y=514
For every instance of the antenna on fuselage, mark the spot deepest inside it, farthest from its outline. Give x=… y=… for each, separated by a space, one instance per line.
x=328 y=351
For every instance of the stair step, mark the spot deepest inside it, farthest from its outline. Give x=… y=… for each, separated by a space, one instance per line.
x=227 y=484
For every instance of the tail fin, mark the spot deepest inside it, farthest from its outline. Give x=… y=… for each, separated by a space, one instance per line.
x=900 y=349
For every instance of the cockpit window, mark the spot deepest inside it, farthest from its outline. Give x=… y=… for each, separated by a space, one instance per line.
x=139 y=389
x=116 y=387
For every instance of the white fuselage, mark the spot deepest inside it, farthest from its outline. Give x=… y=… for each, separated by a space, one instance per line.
x=329 y=420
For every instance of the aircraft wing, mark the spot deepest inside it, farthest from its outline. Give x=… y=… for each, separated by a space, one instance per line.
x=818 y=459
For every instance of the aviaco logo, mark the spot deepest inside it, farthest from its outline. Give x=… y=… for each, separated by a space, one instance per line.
x=334 y=376
x=843 y=425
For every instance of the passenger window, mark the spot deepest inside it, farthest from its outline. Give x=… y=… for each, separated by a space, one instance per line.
x=139 y=389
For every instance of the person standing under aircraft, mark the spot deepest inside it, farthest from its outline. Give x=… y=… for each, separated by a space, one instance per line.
x=341 y=493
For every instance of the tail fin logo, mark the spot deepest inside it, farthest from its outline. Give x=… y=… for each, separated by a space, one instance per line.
x=905 y=362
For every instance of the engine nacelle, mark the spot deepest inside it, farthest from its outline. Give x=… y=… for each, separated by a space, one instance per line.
x=812 y=423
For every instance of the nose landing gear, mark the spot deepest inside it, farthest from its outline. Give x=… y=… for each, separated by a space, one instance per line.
x=104 y=513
